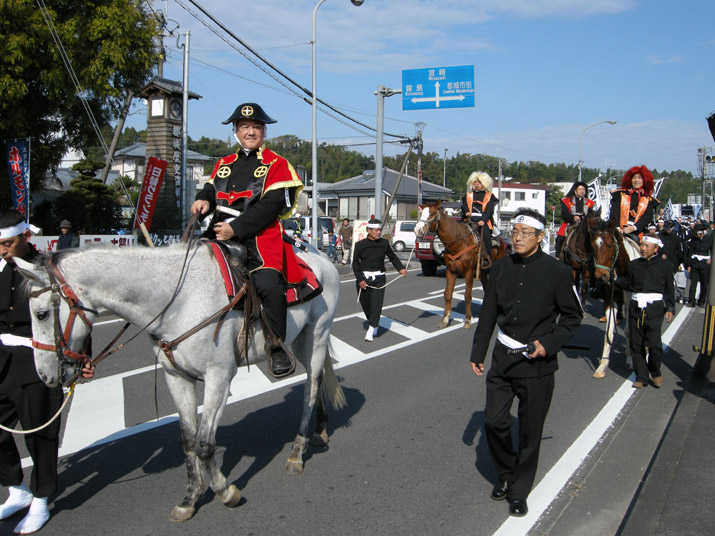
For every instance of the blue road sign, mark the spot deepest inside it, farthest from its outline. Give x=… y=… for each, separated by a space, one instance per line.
x=438 y=87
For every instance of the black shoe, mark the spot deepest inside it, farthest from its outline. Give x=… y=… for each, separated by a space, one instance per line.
x=280 y=364
x=499 y=491
x=518 y=508
x=689 y=304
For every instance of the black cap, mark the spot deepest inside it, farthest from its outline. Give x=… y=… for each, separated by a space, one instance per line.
x=250 y=110
x=670 y=224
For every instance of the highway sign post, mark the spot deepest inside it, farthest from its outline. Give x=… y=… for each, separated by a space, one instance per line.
x=438 y=87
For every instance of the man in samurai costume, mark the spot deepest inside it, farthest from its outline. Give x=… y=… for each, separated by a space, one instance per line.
x=259 y=188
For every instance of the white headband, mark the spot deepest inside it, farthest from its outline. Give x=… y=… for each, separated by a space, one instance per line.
x=531 y=222
x=9 y=232
x=652 y=240
x=374 y=226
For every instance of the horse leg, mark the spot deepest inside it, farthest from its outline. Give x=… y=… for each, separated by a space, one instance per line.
x=183 y=391
x=469 y=282
x=307 y=344
x=449 y=289
x=320 y=434
x=217 y=381
x=607 y=341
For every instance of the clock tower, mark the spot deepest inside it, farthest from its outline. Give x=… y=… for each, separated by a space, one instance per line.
x=164 y=138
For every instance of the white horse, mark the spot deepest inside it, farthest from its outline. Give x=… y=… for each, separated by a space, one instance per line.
x=136 y=285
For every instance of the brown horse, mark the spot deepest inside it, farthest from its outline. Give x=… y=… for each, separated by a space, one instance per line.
x=463 y=254
x=611 y=255
x=577 y=252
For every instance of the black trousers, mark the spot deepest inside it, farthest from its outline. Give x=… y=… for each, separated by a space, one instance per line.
x=371 y=299
x=517 y=467
x=646 y=343
x=702 y=275
x=269 y=287
x=559 y=244
x=33 y=405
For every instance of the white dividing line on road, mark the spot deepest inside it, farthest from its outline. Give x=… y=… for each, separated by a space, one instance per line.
x=554 y=481
x=96 y=415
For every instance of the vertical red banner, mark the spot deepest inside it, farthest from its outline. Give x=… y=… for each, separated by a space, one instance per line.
x=155 y=170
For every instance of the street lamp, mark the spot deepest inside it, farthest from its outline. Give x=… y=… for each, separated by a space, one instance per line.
x=314 y=209
x=579 y=143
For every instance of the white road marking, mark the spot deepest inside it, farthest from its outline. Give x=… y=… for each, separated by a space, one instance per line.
x=558 y=476
x=96 y=415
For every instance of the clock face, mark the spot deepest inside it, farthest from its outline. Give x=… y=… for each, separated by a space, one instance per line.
x=157 y=107
x=176 y=108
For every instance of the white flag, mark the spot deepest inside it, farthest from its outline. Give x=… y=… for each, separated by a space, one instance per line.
x=594 y=192
x=656 y=186
x=668 y=210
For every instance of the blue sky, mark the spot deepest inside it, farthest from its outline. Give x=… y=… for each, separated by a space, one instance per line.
x=544 y=70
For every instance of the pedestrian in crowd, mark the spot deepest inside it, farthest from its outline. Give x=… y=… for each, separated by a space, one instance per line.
x=263 y=187
x=369 y=269
x=296 y=227
x=531 y=300
x=672 y=249
x=699 y=266
x=650 y=279
x=633 y=204
x=67 y=238
x=23 y=396
x=478 y=210
x=573 y=207
x=332 y=246
x=346 y=238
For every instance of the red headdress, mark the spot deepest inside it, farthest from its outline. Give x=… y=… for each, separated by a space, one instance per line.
x=647 y=179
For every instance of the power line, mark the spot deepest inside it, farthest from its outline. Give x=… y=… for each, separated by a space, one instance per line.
x=307 y=94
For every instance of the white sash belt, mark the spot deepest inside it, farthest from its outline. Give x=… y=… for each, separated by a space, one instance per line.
x=645 y=298
x=15 y=340
x=372 y=275
x=701 y=257
x=508 y=341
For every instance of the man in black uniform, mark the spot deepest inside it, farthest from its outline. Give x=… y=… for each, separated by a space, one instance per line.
x=252 y=190
x=369 y=268
x=650 y=278
x=525 y=295
x=699 y=265
x=23 y=396
x=672 y=249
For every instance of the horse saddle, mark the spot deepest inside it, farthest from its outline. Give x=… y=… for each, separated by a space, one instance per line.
x=231 y=257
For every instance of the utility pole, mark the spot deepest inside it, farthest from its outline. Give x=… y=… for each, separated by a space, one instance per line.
x=184 y=132
x=444 y=176
x=420 y=146
x=381 y=93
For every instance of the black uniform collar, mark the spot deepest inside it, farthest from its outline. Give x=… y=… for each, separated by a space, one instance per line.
x=242 y=153
x=531 y=258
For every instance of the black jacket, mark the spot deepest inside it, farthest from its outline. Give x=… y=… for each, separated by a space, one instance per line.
x=525 y=297
x=370 y=255
x=652 y=275
x=17 y=364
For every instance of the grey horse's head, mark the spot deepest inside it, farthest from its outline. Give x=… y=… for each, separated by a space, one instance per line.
x=55 y=340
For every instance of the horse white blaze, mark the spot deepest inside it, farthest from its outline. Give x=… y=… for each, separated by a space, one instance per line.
x=421 y=226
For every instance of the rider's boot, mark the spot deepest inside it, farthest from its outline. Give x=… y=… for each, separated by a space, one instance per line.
x=280 y=363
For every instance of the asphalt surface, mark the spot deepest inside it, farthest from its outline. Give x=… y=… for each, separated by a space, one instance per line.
x=407 y=455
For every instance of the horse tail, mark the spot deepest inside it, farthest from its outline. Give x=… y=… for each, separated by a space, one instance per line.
x=330 y=389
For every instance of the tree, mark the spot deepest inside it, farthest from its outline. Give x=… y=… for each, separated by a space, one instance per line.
x=89 y=204
x=112 y=49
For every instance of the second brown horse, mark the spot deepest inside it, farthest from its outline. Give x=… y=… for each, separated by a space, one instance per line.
x=462 y=255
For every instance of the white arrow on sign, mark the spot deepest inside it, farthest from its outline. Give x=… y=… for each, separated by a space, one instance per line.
x=436 y=97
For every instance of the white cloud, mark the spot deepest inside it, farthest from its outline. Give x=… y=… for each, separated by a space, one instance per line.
x=654 y=59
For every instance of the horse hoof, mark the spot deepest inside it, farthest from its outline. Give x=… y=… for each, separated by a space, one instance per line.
x=319 y=440
x=230 y=496
x=599 y=375
x=444 y=323
x=294 y=468
x=182 y=513
x=467 y=324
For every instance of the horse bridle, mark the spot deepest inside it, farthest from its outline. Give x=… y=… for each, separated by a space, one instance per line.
x=617 y=249
x=61 y=291
x=435 y=217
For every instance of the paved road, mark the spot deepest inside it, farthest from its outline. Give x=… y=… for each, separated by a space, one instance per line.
x=407 y=456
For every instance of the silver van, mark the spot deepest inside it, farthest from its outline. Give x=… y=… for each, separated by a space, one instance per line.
x=403 y=237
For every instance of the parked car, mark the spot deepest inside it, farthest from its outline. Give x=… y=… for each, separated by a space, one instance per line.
x=325 y=223
x=429 y=250
x=403 y=237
